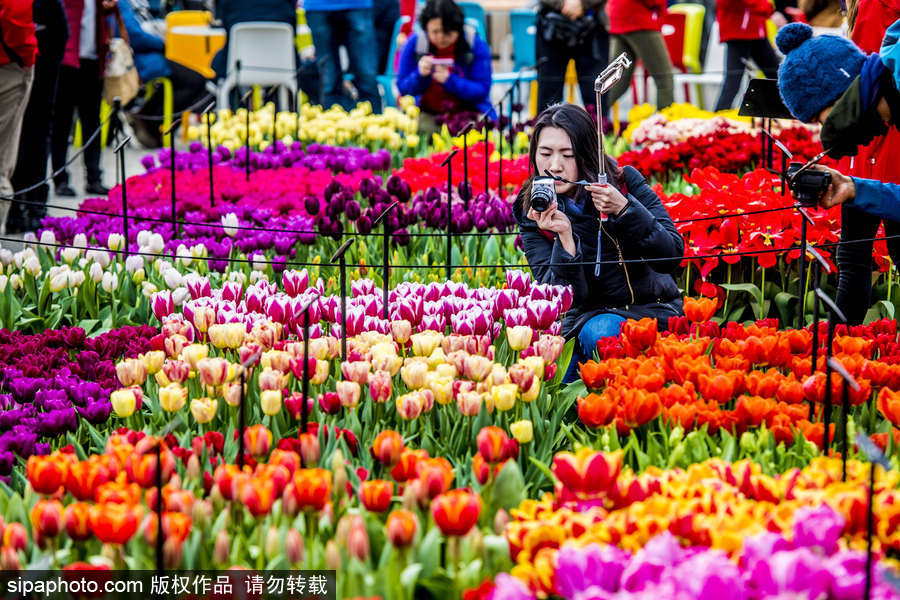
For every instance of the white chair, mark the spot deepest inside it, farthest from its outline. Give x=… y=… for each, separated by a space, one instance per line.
x=713 y=66
x=267 y=56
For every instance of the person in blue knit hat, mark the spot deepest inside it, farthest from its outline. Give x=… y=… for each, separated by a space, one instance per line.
x=826 y=79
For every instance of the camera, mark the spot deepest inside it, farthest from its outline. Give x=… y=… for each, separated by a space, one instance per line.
x=543 y=193
x=809 y=186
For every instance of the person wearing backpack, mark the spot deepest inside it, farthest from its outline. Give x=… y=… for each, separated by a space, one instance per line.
x=448 y=68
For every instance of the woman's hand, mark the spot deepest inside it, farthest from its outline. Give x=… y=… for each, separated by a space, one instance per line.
x=556 y=221
x=425 y=65
x=842 y=188
x=441 y=74
x=572 y=9
x=606 y=198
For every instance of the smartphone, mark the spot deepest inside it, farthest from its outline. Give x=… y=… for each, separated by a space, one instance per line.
x=445 y=62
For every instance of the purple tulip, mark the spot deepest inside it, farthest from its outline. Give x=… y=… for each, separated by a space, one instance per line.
x=162 y=304
x=295 y=282
x=518 y=280
x=541 y=314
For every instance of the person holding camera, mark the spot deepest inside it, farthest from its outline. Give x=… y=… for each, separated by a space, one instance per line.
x=448 y=69
x=615 y=244
x=827 y=79
x=570 y=30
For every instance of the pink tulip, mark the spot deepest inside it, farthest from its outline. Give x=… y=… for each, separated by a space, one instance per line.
x=380 y=386
x=362 y=287
x=162 y=304
x=278 y=309
x=330 y=402
x=515 y=317
x=371 y=305
x=549 y=348
x=542 y=291
x=376 y=324
x=504 y=300
x=468 y=402
x=254 y=299
x=232 y=291
x=356 y=320
x=541 y=314
x=198 y=286
x=410 y=406
x=433 y=322
x=348 y=392
x=401 y=330
x=295 y=282
x=518 y=280
x=357 y=371
x=331 y=308
x=409 y=309
x=566 y=297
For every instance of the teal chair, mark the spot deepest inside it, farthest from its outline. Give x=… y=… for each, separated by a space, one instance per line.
x=474 y=10
x=523 y=23
x=386 y=80
x=479 y=27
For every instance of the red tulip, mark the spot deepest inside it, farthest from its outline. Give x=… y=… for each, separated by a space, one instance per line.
x=456 y=512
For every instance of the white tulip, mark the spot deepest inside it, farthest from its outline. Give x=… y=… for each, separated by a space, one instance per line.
x=48 y=237
x=58 y=279
x=199 y=251
x=143 y=237
x=173 y=279
x=6 y=256
x=15 y=281
x=148 y=289
x=80 y=241
x=33 y=265
x=3 y=281
x=180 y=295
x=258 y=276
x=76 y=278
x=259 y=262
x=161 y=265
x=133 y=263
x=100 y=257
x=116 y=241
x=156 y=244
x=96 y=272
x=229 y=224
x=70 y=254
x=109 y=282
x=184 y=255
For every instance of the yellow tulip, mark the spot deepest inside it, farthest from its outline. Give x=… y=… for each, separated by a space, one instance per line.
x=522 y=430
x=504 y=396
x=271 y=402
x=204 y=409
x=172 y=397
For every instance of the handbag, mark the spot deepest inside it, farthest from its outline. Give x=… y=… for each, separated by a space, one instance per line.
x=120 y=76
x=558 y=29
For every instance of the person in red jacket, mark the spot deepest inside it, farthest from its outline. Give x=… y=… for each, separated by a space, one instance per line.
x=18 y=49
x=868 y=20
x=636 y=28
x=742 y=27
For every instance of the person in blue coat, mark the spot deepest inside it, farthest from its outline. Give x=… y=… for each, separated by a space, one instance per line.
x=827 y=79
x=448 y=67
x=620 y=270
x=146 y=37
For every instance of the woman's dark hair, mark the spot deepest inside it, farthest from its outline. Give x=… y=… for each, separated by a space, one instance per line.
x=452 y=19
x=582 y=131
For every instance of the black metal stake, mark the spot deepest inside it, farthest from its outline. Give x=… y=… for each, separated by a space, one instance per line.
x=271 y=96
x=448 y=162
x=209 y=158
x=870 y=527
x=845 y=410
x=815 y=333
x=828 y=351
x=304 y=410
x=487 y=181
x=297 y=107
x=159 y=508
x=465 y=185
x=248 y=97
x=169 y=131
x=120 y=150
x=500 y=142
x=241 y=423
x=803 y=240
x=340 y=255
x=386 y=247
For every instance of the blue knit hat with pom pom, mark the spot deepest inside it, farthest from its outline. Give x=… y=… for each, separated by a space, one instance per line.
x=816 y=70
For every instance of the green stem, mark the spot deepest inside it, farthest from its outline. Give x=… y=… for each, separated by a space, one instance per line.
x=260 y=558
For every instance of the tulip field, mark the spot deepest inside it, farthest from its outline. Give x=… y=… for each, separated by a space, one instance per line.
x=189 y=367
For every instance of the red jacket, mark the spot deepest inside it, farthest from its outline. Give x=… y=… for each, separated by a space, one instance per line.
x=878 y=160
x=17 y=27
x=626 y=16
x=743 y=19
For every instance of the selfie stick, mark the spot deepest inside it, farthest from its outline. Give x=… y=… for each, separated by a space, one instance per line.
x=605 y=80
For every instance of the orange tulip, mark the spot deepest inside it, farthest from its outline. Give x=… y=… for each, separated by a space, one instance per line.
x=407 y=466
x=77 y=517
x=14 y=537
x=597 y=410
x=287 y=459
x=258 y=495
x=84 y=477
x=176 y=527
x=456 y=512
x=46 y=519
x=257 y=440
x=118 y=492
x=375 y=494
x=639 y=407
x=387 y=447
x=313 y=488
x=889 y=405
x=114 y=523
x=683 y=415
x=699 y=310
x=435 y=475
x=46 y=473
x=790 y=390
x=141 y=466
x=638 y=336
x=587 y=471
x=481 y=468
x=719 y=387
x=753 y=410
x=401 y=528
x=593 y=374
x=493 y=443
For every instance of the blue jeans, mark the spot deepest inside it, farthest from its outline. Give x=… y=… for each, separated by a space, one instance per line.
x=596 y=328
x=355 y=30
